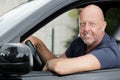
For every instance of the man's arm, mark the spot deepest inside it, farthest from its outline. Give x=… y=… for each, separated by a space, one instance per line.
x=44 y=52
x=64 y=66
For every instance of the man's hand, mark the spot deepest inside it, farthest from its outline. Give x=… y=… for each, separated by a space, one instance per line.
x=51 y=64
x=45 y=68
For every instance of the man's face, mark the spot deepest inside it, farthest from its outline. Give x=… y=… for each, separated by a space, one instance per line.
x=91 y=27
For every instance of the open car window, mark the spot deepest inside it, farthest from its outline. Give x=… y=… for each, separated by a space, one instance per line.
x=58 y=33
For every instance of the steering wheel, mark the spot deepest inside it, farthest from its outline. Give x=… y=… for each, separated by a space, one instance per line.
x=38 y=64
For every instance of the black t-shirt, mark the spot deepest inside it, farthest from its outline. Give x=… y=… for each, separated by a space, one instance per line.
x=107 y=51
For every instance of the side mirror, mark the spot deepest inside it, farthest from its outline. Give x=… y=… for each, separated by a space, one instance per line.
x=15 y=58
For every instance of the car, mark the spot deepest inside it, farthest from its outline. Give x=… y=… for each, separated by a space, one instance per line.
x=23 y=21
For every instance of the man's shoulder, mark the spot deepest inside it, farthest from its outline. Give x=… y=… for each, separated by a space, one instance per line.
x=108 y=39
x=107 y=42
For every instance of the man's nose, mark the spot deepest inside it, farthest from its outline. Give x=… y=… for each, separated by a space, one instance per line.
x=87 y=27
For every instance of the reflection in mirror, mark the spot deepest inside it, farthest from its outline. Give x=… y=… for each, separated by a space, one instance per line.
x=15 y=58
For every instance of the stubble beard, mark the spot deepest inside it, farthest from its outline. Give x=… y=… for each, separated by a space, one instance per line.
x=88 y=39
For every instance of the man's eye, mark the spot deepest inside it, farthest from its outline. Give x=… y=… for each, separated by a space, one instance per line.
x=82 y=24
x=93 y=24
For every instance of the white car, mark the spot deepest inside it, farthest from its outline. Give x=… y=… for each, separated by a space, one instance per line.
x=23 y=21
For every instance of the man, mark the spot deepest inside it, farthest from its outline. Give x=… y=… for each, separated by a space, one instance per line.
x=93 y=50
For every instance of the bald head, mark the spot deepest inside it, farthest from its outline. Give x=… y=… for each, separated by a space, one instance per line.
x=92 y=10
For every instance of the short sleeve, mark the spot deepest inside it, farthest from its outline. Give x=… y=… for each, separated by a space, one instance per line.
x=106 y=57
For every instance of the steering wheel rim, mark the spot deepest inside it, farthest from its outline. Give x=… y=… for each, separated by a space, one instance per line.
x=36 y=57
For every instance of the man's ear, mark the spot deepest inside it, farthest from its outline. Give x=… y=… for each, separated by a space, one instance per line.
x=104 y=24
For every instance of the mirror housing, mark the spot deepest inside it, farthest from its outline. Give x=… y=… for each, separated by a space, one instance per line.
x=15 y=58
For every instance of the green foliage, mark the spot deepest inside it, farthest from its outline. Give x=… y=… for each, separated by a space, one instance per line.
x=75 y=31
x=75 y=15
